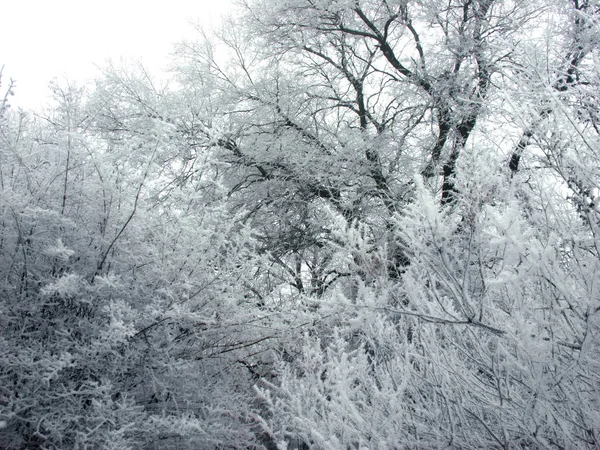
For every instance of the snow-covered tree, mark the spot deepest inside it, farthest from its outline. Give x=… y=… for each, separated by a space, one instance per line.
x=340 y=224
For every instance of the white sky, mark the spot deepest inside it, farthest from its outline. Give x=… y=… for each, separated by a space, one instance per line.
x=44 y=39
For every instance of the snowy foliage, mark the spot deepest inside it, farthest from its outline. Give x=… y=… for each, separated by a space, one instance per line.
x=343 y=224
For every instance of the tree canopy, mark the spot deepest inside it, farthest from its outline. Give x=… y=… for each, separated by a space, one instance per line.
x=341 y=224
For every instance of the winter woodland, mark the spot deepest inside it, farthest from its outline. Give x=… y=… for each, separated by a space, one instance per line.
x=339 y=224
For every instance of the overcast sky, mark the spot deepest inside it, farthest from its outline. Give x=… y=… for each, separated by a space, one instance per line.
x=43 y=39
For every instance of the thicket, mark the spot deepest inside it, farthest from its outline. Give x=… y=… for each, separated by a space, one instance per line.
x=340 y=224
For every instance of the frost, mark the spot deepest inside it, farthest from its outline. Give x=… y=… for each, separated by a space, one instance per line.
x=59 y=251
x=69 y=285
x=109 y=281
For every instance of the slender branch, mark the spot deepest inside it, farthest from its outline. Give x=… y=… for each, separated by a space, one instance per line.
x=130 y=218
x=439 y=320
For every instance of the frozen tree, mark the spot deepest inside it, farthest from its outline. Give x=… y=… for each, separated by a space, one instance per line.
x=120 y=286
x=483 y=333
x=341 y=224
